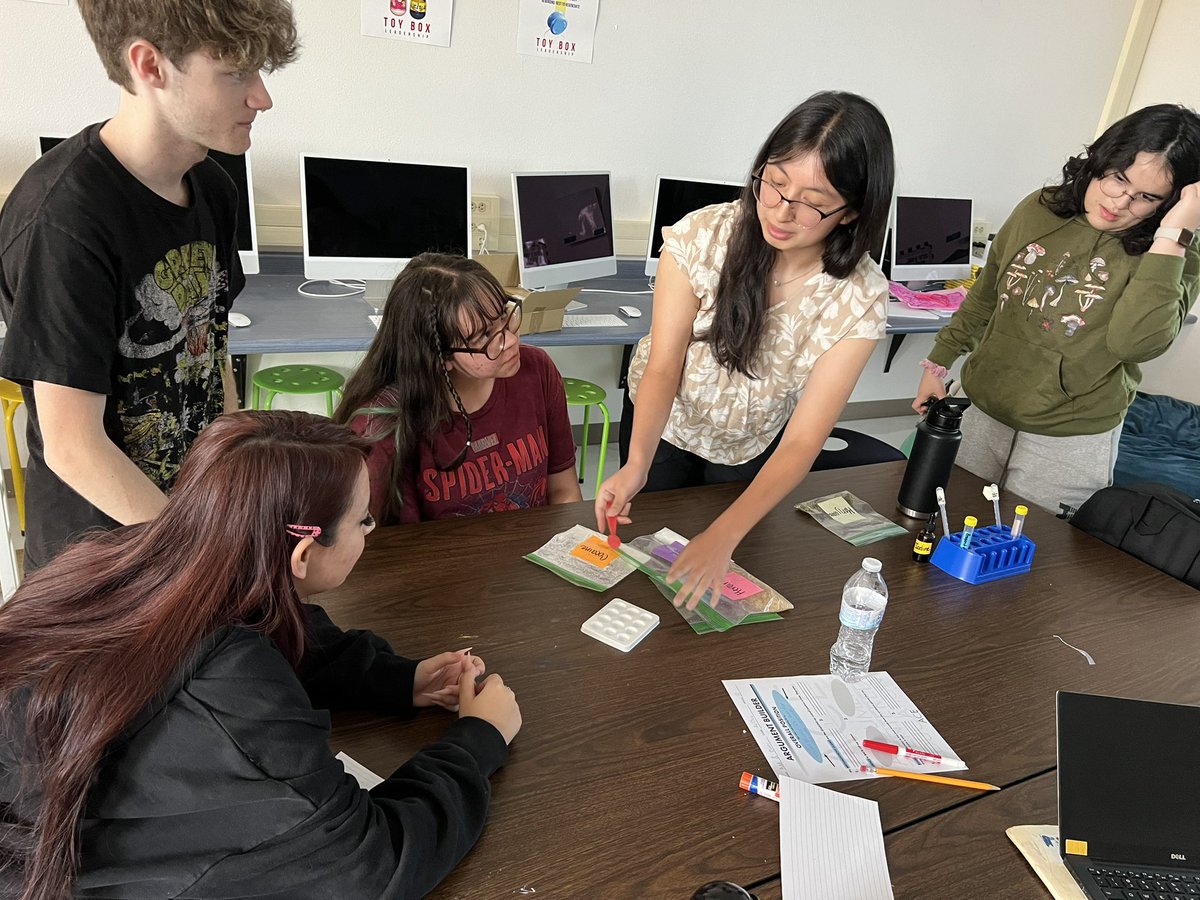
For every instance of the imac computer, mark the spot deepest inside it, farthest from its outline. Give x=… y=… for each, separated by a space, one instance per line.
x=237 y=167
x=564 y=227
x=674 y=198
x=931 y=238
x=366 y=218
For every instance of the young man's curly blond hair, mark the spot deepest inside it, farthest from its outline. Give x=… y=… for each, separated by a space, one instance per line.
x=246 y=35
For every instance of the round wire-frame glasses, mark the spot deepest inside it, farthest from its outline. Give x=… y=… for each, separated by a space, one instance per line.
x=1114 y=186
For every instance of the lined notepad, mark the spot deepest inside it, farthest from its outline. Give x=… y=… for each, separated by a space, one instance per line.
x=830 y=844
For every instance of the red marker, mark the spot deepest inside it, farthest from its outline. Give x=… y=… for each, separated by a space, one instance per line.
x=923 y=755
x=613 y=540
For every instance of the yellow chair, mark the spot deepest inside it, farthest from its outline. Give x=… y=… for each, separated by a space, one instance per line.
x=10 y=399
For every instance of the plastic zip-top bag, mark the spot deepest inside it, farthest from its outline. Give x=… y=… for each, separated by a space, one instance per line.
x=582 y=557
x=851 y=519
x=743 y=599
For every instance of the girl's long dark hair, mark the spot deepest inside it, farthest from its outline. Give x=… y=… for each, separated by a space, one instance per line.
x=1169 y=129
x=851 y=138
x=93 y=637
x=402 y=382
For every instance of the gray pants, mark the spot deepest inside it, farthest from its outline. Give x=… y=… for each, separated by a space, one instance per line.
x=1044 y=470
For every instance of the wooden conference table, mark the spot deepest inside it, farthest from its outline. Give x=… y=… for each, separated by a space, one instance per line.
x=623 y=780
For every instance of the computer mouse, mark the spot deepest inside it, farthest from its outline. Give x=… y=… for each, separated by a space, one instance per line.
x=631 y=311
x=239 y=320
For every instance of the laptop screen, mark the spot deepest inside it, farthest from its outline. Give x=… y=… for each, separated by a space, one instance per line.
x=1128 y=782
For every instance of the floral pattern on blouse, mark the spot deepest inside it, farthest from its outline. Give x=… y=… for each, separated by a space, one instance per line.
x=729 y=418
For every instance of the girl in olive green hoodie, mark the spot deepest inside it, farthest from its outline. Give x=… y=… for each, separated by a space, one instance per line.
x=1084 y=281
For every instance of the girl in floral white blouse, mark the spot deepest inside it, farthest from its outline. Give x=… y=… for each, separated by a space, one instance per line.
x=765 y=313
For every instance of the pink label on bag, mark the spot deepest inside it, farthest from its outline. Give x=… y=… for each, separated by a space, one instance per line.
x=739 y=587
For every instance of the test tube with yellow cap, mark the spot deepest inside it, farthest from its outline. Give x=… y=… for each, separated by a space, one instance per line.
x=969 y=524
x=1019 y=521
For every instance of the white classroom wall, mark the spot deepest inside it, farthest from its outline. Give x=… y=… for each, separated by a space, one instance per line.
x=1168 y=75
x=984 y=99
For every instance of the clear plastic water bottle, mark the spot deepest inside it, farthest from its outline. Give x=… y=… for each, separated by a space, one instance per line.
x=863 y=600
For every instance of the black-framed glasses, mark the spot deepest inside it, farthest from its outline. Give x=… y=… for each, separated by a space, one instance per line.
x=1115 y=186
x=498 y=340
x=802 y=213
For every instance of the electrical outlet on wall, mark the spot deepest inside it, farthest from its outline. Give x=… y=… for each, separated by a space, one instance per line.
x=980 y=229
x=485 y=211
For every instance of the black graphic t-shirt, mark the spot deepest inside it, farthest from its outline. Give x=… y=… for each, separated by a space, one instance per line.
x=109 y=288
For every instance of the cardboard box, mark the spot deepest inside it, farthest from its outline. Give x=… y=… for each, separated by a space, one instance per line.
x=540 y=310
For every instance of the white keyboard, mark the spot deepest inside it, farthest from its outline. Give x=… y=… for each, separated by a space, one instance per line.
x=594 y=322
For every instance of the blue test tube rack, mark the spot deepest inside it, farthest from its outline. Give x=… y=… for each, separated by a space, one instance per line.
x=993 y=553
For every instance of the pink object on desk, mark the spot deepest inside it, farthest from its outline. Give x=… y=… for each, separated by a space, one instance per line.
x=948 y=299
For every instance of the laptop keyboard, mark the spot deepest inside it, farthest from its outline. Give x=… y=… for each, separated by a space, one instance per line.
x=1131 y=883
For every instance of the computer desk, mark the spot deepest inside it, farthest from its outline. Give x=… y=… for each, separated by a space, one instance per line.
x=284 y=321
x=623 y=780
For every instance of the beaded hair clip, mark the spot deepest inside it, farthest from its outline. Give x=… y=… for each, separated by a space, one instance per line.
x=303 y=531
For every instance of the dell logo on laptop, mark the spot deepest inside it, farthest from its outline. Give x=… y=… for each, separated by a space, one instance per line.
x=1180 y=856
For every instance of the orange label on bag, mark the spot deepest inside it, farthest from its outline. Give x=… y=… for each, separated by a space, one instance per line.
x=595 y=551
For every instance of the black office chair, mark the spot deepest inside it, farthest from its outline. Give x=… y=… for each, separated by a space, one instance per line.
x=860 y=450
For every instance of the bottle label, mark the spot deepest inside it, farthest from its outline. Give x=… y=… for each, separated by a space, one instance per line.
x=923 y=548
x=859 y=618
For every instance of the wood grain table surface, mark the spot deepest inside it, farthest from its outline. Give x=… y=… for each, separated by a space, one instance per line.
x=623 y=780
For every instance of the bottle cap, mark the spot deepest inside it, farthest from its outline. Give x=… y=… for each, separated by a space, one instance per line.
x=945 y=415
x=871 y=564
x=970 y=521
x=1022 y=510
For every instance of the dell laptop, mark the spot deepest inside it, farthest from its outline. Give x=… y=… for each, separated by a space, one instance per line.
x=1129 y=797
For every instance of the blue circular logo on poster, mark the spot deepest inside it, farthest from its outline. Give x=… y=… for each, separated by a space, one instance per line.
x=557 y=22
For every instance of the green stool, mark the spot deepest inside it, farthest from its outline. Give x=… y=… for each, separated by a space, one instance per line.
x=296 y=379
x=906 y=447
x=586 y=394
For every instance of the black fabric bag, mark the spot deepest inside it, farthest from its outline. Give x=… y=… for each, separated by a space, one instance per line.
x=1156 y=523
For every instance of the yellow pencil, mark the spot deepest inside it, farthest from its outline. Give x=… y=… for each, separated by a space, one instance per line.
x=939 y=779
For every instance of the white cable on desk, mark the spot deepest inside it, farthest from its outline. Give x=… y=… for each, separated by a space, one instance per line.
x=352 y=289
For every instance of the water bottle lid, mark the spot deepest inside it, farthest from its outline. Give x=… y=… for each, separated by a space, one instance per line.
x=946 y=414
x=871 y=564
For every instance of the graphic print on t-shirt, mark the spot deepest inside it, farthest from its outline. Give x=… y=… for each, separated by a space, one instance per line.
x=511 y=475
x=171 y=361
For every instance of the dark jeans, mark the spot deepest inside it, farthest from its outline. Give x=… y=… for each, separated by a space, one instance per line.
x=675 y=468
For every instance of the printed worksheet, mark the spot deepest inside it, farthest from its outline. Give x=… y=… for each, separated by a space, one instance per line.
x=811 y=726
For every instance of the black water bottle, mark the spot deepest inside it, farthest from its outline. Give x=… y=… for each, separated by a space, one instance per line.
x=932 y=457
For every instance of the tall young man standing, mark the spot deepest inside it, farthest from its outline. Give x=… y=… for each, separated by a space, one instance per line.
x=118 y=262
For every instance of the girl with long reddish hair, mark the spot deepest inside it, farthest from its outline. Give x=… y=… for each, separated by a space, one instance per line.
x=163 y=692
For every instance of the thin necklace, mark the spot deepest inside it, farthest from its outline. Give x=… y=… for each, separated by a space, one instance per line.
x=777 y=283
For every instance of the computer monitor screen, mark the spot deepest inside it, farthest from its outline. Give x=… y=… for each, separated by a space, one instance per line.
x=674 y=198
x=931 y=238
x=564 y=227
x=46 y=144
x=367 y=218
x=237 y=166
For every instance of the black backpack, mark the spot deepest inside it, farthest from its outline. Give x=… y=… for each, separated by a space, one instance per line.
x=1158 y=524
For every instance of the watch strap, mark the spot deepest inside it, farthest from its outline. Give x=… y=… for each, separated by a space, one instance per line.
x=1181 y=236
